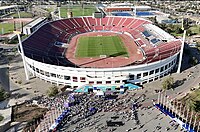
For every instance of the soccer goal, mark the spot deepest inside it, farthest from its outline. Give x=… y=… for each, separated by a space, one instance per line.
x=102 y=56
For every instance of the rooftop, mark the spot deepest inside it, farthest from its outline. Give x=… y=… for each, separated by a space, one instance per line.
x=7 y=7
x=35 y=22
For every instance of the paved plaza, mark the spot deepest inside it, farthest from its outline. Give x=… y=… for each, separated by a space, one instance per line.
x=148 y=120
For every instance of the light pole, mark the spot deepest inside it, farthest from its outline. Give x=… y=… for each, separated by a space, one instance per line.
x=187 y=117
x=190 y=120
x=181 y=53
x=158 y=101
x=167 y=105
x=180 y=110
x=164 y=104
x=174 y=107
x=176 y=113
x=59 y=13
x=22 y=54
x=19 y=17
x=171 y=106
x=161 y=99
x=184 y=112
x=59 y=5
x=195 y=119
x=198 y=127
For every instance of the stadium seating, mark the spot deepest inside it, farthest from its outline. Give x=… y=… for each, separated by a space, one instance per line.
x=85 y=19
x=59 y=25
x=98 y=21
x=128 y=21
x=80 y=22
x=99 y=28
x=120 y=23
x=104 y=21
x=92 y=21
x=40 y=45
x=115 y=21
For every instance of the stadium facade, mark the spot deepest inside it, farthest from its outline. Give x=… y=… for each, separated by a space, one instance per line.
x=47 y=49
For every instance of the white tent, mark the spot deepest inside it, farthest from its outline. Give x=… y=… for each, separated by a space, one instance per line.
x=99 y=93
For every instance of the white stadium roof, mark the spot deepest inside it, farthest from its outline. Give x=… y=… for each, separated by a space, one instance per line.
x=7 y=7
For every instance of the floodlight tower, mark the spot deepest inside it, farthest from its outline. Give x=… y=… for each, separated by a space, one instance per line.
x=22 y=53
x=82 y=6
x=181 y=51
x=135 y=10
x=19 y=16
x=59 y=5
x=69 y=10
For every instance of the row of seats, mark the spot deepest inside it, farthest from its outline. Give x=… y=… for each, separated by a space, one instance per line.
x=87 y=24
x=163 y=51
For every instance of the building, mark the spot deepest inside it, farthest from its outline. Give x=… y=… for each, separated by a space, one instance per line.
x=165 y=19
x=7 y=9
x=34 y=25
x=152 y=53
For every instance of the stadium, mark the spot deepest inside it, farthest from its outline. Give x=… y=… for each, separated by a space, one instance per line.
x=112 y=50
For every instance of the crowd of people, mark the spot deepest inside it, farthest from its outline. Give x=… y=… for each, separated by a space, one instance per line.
x=90 y=104
x=83 y=105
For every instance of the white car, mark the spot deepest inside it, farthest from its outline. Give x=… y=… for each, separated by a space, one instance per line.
x=128 y=130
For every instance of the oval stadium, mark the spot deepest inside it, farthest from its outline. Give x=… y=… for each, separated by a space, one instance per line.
x=112 y=50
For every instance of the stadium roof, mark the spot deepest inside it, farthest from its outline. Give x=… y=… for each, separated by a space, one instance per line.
x=7 y=7
x=35 y=22
x=130 y=7
x=121 y=4
x=143 y=7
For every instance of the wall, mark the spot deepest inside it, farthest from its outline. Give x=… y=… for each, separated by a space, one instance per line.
x=77 y=77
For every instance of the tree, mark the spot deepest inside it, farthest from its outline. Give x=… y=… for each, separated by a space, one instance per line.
x=155 y=21
x=162 y=26
x=53 y=91
x=195 y=105
x=1 y=118
x=168 y=83
x=49 y=16
x=189 y=32
x=3 y=94
x=193 y=61
x=178 y=30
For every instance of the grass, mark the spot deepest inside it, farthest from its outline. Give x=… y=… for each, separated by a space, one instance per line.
x=195 y=29
x=94 y=46
x=8 y=27
x=22 y=15
x=49 y=9
x=1 y=118
x=176 y=34
x=77 y=10
x=195 y=95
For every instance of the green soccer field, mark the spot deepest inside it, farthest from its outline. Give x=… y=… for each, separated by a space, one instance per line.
x=95 y=46
x=22 y=15
x=8 y=27
x=77 y=10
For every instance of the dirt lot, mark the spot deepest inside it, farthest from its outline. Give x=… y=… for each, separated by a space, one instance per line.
x=26 y=113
